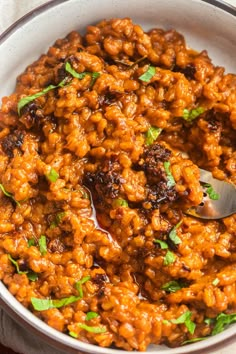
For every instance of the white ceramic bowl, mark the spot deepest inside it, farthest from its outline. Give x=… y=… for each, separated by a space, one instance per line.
x=206 y=24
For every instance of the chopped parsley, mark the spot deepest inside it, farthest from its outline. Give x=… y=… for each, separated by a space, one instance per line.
x=43 y=245
x=46 y=304
x=7 y=194
x=120 y=203
x=190 y=115
x=13 y=261
x=172 y=286
x=25 y=100
x=222 y=321
x=169 y=258
x=90 y=315
x=80 y=76
x=211 y=192
x=92 y=329
x=31 y=242
x=161 y=243
x=170 y=178
x=52 y=176
x=173 y=235
x=30 y=274
x=215 y=281
x=193 y=340
x=57 y=220
x=149 y=73
x=78 y=285
x=73 y=334
x=152 y=134
x=186 y=319
x=208 y=321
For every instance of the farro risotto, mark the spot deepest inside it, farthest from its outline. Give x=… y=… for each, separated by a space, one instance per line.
x=100 y=149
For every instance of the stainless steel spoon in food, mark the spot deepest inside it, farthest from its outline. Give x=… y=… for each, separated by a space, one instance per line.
x=219 y=198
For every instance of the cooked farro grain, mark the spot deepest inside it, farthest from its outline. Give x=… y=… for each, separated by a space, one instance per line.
x=95 y=181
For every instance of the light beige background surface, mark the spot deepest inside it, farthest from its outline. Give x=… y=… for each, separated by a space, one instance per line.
x=10 y=11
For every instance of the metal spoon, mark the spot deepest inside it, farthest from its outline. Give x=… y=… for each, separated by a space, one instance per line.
x=215 y=209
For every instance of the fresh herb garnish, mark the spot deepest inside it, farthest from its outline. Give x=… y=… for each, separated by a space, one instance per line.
x=25 y=100
x=223 y=320
x=31 y=242
x=170 y=178
x=149 y=73
x=52 y=176
x=73 y=334
x=152 y=134
x=46 y=304
x=161 y=243
x=80 y=76
x=43 y=245
x=169 y=258
x=30 y=274
x=211 y=192
x=120 y=202
x=92 y=329
x=7 y=194
x=78 y=285
x=193 y=340
x=13 y=261
x=215 y=281
x=190 y=115
x=209 y=321
x=186 y=319
x=171 y=286
x=57 y=220
x=173 y=235
x=90 y=315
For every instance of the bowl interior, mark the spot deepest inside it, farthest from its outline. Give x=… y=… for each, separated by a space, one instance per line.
x=204 y=26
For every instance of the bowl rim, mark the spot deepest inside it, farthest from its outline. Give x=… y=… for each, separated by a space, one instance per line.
x=11 y=303
x=221 y=4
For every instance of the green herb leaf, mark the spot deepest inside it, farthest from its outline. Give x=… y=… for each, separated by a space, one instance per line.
x=43 y=245
x=171 y=286
x=211 y=192
x=25 y=100
x=222 y=321
x=152 y=134
x=208 y=321
x=120 y=203
x=165 y=322
x=7 y=194
x=13 y=261
x=215 y=281
x=192 y=114
x=193 y=340
x=46 y=304
x=169 y=258
x=186 y=319
x=151 y=71
x=170 y=178
x=80 y=76
x=58 y=219
x=92 y=329
x=173 y=235
x=73 y=334
x=32 y=276
x=162 y=244
x=52 y=176
x=78 y=285
x=31 y=242
x=90 y=315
